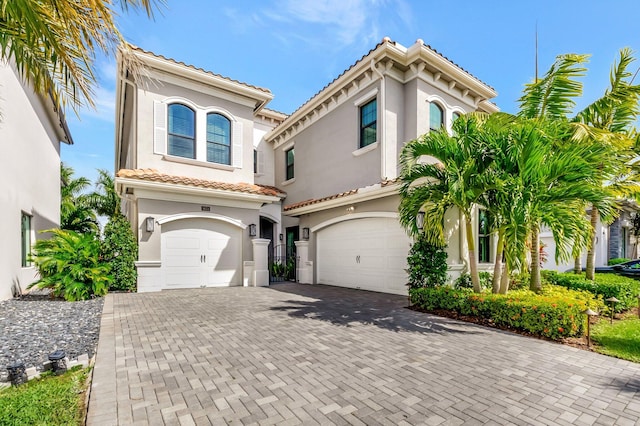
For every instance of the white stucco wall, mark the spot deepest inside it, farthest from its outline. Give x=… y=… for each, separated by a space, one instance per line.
x=29 y=175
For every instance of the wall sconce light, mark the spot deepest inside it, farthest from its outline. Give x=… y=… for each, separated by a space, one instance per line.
x=305 y=233
x=281 y=237
x=351 y=209
x=420 y=220
x=149 y=224
x=252 y=230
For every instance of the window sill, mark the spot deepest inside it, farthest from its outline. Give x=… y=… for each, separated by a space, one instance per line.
x=364 y=150
x=193 y=162
x=288 y=182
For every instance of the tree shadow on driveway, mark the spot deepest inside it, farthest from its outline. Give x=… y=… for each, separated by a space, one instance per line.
x=353 y=308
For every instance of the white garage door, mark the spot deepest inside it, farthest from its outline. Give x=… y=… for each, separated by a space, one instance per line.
x=370 y=254
x=201 y=253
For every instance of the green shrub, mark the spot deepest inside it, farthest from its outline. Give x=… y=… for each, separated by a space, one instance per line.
x=70 y=265
x=427 y=264
x=624 y=289
x=120 y=250
x=617 y=261
x=555 y=313
x=464 y=281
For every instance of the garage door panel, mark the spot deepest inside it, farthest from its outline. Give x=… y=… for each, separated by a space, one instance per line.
x=182 y=242
x=368 y=253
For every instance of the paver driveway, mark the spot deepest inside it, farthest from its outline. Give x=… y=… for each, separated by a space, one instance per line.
x=296 y=354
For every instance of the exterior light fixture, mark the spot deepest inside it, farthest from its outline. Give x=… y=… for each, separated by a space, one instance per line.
x=589 y=313
x=612 y=300
x=420 y=220
x=58 y=362
x=305 y=233
x=252 y=230
x=149 y=224
x=17 y=373
x=281 y=237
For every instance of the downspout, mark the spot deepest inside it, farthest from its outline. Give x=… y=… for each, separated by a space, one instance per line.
x=382 y=138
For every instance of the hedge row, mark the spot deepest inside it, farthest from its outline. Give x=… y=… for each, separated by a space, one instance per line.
x=626 y=290
x=555 y=313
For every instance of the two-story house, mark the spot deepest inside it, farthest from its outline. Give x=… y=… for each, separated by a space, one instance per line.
x=31 y=131
x=205 y=169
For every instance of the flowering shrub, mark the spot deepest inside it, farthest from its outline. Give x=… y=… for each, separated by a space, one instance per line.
x=606 y=285
x=555 y=313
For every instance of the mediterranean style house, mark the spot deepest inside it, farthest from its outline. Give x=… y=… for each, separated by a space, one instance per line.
x=215 y=184
x=31 y=129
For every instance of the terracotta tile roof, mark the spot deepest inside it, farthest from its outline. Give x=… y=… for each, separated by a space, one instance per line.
x=138 y=49
x=312 y=201
x=152 y=175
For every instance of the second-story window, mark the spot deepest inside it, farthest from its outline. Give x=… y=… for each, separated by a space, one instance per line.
x=218 y=139
x=368 y=122
x=484 y=237
x=289 y=157
x=436 y=116
x=182 y=134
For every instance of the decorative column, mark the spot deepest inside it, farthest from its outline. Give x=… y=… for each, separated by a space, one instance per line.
x=261 y=262
x=304 y=270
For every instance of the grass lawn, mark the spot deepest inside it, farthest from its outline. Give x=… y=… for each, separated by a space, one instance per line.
x=50 y=400
x=622 y=339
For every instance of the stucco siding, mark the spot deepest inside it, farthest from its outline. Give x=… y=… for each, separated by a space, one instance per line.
x=29 y=175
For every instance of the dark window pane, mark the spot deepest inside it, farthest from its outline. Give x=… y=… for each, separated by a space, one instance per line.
x=181 y=147
x=368 y=120
x=218 y=139
x=436 y=116
x=484 y=237
x=182 y=124
x=289 y=155
x=26 y=239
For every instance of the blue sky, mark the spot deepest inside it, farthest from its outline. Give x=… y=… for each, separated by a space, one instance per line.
x=295 y=47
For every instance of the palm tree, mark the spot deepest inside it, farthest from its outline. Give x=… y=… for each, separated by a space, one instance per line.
x=105 y=200
x=459 y=179
x=614 y=115
x=53 y=42
x=75 y=212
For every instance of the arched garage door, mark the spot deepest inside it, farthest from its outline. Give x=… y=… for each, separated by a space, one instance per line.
x=201 y=253
x=368 y=253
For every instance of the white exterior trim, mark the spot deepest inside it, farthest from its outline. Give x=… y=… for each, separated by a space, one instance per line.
x=212 y=216
x=270 y=217
x=366 y=98
x=363 y=194
x=353 y=216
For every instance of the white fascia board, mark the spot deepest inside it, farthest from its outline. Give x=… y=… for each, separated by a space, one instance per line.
x=206 y=78
x=176 y=192
x=361 y=196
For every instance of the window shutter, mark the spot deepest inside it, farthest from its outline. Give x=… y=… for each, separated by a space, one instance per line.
x=260 y=162
x=159 y=127
x=236 y=136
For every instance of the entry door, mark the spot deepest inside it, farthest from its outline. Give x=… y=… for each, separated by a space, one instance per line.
x=201 y=253
x=369 y=254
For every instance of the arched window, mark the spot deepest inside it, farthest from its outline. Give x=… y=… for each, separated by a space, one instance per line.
x=455 y=116
x=182 y=134
x=218 y=139
x=436 y=116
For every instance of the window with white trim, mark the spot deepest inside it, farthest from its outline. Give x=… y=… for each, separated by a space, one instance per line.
x=25 y=232
x=181 y=131
x=368 y=123
x=218 y=139
x=436 y=116
x=289 y=161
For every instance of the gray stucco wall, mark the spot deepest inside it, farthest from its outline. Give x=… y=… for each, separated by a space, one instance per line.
x=29 y=176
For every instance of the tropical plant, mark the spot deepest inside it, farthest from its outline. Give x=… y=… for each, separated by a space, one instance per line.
x=459 y=179
x=427 y=264
x=104 y=200
x=614 y=116
x=120 y=249
x=75 y=212
x=69 y=264
x=54 y=42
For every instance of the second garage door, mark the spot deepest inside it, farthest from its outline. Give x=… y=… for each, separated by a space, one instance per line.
x=369 y=254
x=201 y=253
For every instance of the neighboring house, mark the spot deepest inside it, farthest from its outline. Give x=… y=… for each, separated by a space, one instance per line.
x=613 y=241
x=31 y=130
x=199 y=158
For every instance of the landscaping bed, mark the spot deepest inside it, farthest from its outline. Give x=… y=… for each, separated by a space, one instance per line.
x=36 y=325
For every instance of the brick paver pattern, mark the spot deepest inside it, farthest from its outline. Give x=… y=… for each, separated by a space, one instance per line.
x=301 y=354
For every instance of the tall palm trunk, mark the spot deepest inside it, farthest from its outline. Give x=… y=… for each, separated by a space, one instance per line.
x=536 y=283
x=497 y=267
x=577 y=265
x=473 y=262
x=591 y=253
x=504 y=281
